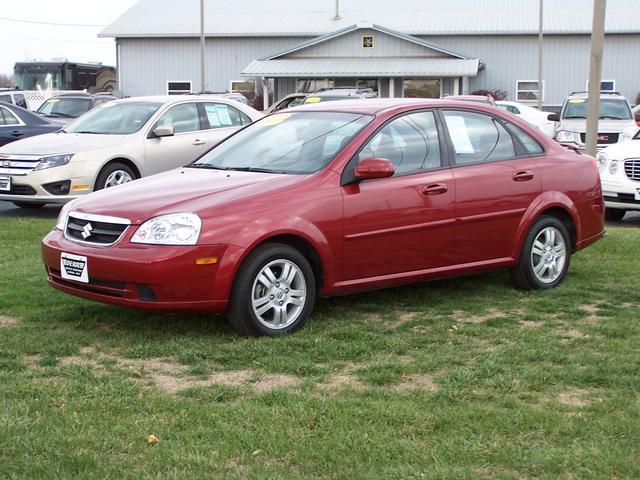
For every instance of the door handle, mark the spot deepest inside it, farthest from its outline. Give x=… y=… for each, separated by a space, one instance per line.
x=17 y=133
x=435 y=189
x=198 y=142
x=523 y=176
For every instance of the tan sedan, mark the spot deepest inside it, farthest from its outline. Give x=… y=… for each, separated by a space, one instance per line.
x=116 y=143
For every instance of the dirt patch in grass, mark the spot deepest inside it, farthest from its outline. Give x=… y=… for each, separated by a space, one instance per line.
x=574 y=398
x=8 y=322
x=372 y=318
x=493 y=313
x=402 y=318
x=416 y=381
x=592 y=313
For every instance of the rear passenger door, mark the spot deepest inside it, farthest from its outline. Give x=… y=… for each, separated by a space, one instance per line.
x=403 y=223
x=11 y=127
x=496 y=180
x=221 y=120
x=187 y=143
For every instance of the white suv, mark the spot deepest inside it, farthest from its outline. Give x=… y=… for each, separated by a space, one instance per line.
x=116 y=142
x=620 y=173
x=615 y=123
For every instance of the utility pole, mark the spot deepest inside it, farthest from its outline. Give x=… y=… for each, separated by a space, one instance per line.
x=595 y=75
x=202 y=89
x=540 y=38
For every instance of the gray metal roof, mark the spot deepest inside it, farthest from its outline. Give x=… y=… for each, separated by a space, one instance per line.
x=226 y=18
x=349 y=67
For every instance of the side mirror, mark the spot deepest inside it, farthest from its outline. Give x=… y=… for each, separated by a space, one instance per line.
x=553 y=117
x=164 y=131
x=369 y=168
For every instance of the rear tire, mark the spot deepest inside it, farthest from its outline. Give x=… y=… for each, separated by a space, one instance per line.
x=545 y=256
x=29 y=205
x=614 y=214
x=113 y=174
x=273 y=292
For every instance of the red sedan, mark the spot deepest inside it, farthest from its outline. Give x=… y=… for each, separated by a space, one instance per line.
x=330 y=199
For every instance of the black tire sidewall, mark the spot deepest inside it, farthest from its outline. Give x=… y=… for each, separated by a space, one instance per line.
x=108 y=170
x=525 y=259
x=614 y=214
x=243 y=285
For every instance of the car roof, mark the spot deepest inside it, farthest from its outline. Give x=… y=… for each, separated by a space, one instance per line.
x=169 y=99
x=23 y=113
x=615 y=95
x=374 y=106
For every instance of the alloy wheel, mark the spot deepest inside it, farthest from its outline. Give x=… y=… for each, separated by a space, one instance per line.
x=117 y=177
x=548 y=255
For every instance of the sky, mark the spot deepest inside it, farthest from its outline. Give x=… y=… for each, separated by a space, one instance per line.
x=22 y=41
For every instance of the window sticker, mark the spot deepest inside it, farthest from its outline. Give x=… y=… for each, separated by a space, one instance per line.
x=577 y=100
x=459 y=134
x=275 y=119
x=312 y=100
x=53 y=100
x=223 y=115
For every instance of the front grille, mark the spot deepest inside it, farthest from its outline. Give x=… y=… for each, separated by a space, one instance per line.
x=13 y=164
x=19 y=190
x=632 y=168
x=95 y=229
x=603 y=138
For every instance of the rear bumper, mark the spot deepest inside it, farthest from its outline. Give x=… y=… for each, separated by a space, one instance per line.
x=151 y=277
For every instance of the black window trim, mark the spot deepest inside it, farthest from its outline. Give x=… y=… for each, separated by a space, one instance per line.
x=150 y=133
x=521 y=151
x=348 y=173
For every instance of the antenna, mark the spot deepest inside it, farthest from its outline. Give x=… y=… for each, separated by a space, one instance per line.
x=337 y=10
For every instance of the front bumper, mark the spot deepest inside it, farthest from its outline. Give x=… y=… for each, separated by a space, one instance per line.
x=153 y=277
x=620 y=194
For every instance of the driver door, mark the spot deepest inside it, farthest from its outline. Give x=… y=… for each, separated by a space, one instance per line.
x=186 y=144
x=404 y=223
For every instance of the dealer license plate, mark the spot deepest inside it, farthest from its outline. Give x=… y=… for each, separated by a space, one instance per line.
x=5 y=184
x=74 y=267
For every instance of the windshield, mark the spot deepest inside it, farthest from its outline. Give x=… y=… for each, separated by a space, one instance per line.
x=610 y=109
x=65 y=107
x=296 y=143
x=115 y=118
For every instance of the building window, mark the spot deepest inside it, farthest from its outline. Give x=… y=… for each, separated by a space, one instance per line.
x=527 y=90
x=307 y=85
x=180 y=87
x=421 y=88
x=606 y=85
x=367 y=41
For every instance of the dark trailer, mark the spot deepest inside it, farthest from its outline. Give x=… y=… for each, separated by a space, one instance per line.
x=64 y=75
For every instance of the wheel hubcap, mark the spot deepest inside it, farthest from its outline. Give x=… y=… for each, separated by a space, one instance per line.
x=117 y=178
x=548 y=255
x=279 y=294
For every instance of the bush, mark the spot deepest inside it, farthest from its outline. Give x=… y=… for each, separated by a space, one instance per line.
x=496 y=94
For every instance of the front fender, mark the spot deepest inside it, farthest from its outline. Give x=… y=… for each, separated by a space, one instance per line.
x=545 y=201
x=257 y=232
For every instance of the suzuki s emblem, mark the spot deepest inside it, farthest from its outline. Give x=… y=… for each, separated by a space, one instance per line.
x=6 y=164
x=603 y=138
x=86 y=231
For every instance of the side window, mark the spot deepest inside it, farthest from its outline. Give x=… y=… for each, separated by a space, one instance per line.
x=512 y=109
x=478 y=138
x=221 y=115
x=5 y=98
x=7 y=118
x=529 y=143
x=410 y=142
x=20 y=100
x=183 y=118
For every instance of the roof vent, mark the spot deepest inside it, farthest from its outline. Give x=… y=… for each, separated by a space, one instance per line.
x=336 y=10
x=364 y=24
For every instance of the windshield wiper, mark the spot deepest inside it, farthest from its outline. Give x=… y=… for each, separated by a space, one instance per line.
x=253 y=169
x=609 y=117
x=89 y=131
x=206 y=165
x=573 y=116
x=58 y=115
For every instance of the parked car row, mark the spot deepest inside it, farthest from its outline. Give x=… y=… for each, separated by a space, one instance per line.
x=115 y=143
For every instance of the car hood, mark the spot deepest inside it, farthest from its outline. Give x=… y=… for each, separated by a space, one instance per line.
x=604 y=126
x=622 y=150
x=182 y=190
x=60 y=142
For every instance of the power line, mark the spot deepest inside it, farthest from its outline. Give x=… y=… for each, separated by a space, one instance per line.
x=52 y=39
x=20 y=20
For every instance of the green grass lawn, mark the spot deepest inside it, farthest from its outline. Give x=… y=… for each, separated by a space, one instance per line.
x=462 y=378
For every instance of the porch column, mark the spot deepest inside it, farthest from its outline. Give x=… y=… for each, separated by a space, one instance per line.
x=392 y=87
x=456 y=86
x=265 y=93
x=465 y=85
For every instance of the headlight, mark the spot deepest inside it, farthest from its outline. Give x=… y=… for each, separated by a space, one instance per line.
x=602 y=161
x=53 y=161
x=62 y=216
x=173 y=229
x=613 y=167
x=565 y=136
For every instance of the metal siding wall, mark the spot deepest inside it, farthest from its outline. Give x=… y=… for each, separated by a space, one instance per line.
x=566 y=62
x=147 y=64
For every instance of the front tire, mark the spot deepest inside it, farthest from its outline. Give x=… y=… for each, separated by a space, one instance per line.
x=614 y=214
x=273 y=292
x=545 y=256
x=114 y=174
